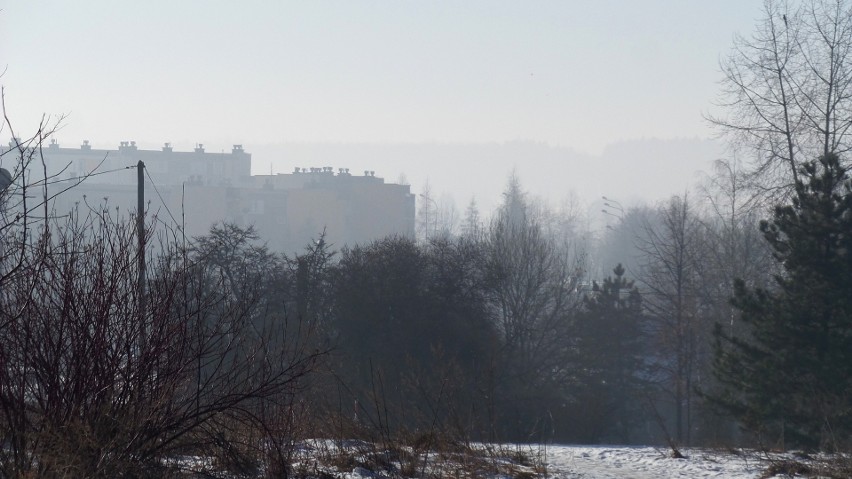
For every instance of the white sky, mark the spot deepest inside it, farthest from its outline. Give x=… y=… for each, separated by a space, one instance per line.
x=578 y=74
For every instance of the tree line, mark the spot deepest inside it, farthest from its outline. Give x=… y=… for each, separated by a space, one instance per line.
x=712 y=318
x=719 y=316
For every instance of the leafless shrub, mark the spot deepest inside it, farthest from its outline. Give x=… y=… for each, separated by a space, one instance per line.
x=94 y=381
x=787 y=468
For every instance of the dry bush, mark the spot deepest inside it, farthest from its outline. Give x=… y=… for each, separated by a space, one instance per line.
x=101 y=378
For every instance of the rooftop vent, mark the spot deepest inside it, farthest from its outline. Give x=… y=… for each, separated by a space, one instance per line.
x=167 y=146
x=199 y=147
x=85 y=145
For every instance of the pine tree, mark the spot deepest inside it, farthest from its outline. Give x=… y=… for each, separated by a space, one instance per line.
x=427 y=214
x=472 y=227
x=793 y=376
x=609 y=333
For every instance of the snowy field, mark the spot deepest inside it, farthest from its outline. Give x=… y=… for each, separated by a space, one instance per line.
x=324 y=459
x=608 y=462
x=587 y=462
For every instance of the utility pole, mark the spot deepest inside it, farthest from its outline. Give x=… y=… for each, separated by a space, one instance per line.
x=140 y=233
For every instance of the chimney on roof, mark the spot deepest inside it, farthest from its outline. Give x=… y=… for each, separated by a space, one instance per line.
x=86 y=146
x=199 y=147
x=167 y=146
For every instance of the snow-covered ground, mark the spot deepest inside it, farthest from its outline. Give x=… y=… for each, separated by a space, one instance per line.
x=609 y=462
x=363 y=460
x=602 y=462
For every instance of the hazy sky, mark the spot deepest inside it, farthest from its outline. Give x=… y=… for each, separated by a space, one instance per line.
x=577 y=74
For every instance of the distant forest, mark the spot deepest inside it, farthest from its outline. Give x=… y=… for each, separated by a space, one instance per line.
x=720 y=316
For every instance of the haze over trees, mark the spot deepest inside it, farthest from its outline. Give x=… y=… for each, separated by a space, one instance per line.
x=718 y=316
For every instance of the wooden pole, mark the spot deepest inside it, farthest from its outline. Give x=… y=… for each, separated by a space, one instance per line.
x=140 y=232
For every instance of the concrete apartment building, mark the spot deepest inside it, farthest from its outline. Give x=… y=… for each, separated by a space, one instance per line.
x=199 y=188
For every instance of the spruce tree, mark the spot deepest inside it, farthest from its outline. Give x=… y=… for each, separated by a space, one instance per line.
x=792 y=377
x=609 y=333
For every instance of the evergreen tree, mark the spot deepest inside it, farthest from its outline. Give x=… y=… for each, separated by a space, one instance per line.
x=793 y=376
x=427 y=214
x=472 y=226
x=609 y=333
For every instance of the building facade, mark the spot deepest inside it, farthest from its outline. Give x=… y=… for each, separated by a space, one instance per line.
x=195 y=189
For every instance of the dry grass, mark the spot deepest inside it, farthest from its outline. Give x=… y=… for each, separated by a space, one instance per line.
x=445 y=460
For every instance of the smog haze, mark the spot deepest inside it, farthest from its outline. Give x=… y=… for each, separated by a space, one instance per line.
x=584 y=98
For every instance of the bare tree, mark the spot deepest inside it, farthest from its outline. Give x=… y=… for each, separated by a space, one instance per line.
x=82 y=393
x=427 y=213
x=787 y=90
x=671 y=288
x=533 y=284
x=732 y=241
x=447 y=217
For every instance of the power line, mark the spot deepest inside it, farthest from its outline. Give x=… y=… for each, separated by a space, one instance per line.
x=180 y=226
x=80 y=178
x=161 y=198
